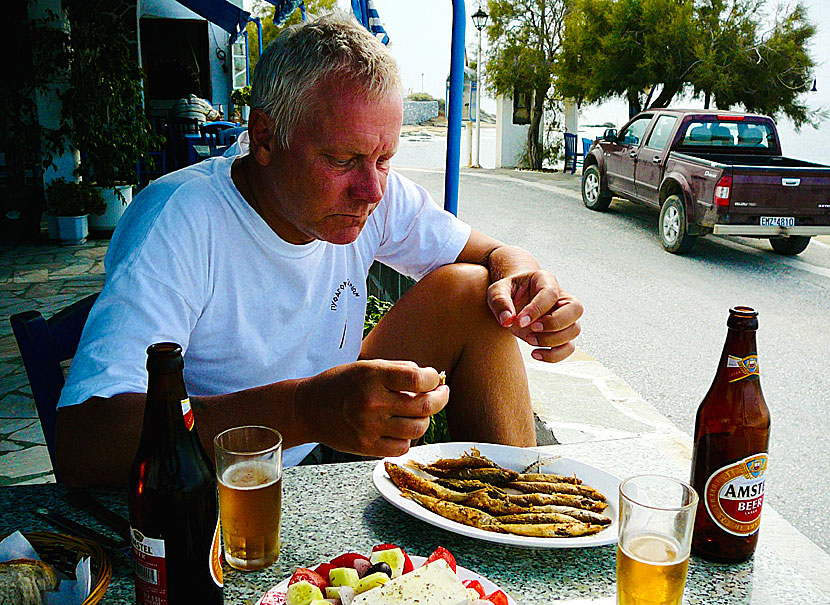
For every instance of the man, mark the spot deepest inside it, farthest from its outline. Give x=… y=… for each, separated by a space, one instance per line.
x=193 y=107
x=257 y=264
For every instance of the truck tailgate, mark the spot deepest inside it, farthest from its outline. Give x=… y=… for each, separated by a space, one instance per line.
x=800 y=194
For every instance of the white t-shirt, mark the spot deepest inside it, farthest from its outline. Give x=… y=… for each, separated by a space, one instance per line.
x=191 y=262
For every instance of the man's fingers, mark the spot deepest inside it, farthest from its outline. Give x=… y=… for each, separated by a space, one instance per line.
x=566 y=313
x=500 y=301
x=554 y=339
x=407 y=376
x=542 y=302
x=554 y=354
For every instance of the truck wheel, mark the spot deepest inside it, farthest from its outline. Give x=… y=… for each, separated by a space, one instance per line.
x=790 y=245
x=673 y=233
x=593 y=196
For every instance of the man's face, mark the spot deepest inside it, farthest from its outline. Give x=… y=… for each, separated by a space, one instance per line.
x=333 y=175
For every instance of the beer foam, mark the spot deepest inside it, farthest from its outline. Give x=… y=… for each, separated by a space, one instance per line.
x=653 y=549
x=250 y=474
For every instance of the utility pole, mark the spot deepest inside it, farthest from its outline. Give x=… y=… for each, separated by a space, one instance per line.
x=480 y=21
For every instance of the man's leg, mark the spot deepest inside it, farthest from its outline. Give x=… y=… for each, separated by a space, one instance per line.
x=444 y=322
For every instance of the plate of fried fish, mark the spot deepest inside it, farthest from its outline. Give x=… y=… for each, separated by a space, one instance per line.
x=509 y=495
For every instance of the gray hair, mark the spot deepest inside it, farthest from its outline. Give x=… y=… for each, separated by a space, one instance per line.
x=334 y=47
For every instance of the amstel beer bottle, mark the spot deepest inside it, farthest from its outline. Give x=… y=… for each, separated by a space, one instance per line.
x=729 y=463
x=174 y=516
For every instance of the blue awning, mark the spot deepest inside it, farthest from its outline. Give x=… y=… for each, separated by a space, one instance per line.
x=365 y=12
x=285 y=8
x=221 y=12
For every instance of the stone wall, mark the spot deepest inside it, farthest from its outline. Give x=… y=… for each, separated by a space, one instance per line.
x=416 y=112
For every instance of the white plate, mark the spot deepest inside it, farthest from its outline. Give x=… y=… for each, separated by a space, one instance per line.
x=276 y=596
x=517 y=459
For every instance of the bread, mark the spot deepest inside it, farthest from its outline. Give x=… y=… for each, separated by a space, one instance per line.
x=23 y=581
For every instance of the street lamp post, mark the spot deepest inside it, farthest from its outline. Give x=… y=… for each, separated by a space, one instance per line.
x=480 y=21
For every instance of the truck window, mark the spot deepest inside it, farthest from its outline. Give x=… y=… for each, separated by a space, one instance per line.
x=633 y=134
x=659 y=137
x=734 y=135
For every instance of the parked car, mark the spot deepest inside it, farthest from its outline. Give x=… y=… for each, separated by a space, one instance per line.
x=715 y=172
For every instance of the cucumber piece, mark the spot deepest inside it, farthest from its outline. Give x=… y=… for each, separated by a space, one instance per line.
x=344 y=576
x=393 y=557
x=303 y=593
x=371 y=581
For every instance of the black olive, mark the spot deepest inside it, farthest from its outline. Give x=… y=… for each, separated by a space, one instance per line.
x=382 y=567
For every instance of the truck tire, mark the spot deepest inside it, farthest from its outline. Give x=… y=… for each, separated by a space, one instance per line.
x=674 y=234
x=790 y=245
x=593 y=196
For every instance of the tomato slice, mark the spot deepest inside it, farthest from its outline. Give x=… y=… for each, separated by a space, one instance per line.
x=407 y=562
x=442 y=553
x=311 y=576
x=475 y=585
x=497 y=597
x=348 y=559
x=324 y=568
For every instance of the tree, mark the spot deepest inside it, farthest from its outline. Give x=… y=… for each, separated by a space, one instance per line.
x=265 y=12
x=525 y=39
x=727 y=51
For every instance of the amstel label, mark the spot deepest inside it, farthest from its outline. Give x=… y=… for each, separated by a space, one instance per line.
x=150 y=569
x=188 y=414
x=734 y=495
x=738 y=369
x=215 y=559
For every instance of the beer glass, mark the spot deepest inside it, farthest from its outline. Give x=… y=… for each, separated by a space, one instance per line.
x=657 y=515
x=249 y=470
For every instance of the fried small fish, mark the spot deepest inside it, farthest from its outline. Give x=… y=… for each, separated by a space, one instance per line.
x=473 y=459
x=543 y=487
x=493 y=476
x=524 y=518
x=463 y=485
x=449 y=510
x=558 y=500
x=580 y=514
x=547 y=530
x=493 y=502
x=406 y=479
x=549 y=478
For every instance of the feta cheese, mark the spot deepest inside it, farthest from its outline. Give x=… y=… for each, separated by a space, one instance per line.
x=433 y=584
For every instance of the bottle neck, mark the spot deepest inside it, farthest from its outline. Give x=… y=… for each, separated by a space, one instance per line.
x=739 y=356
x=163 y=419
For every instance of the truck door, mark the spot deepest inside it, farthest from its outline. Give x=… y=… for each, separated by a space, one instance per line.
x=621 y=156
x=650 y=161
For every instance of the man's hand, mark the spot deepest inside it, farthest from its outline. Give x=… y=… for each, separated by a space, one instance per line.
x=534 y=308
x=371 y=407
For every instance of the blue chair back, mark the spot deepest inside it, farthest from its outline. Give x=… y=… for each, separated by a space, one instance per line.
x=570 y=152
x=586 y=146
x=228 y=136
x=210 y=134
x=43 y=345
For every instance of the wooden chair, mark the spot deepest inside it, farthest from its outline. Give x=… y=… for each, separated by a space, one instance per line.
x=177 y=145
x=210 y=134
x=43 y=345
x=228 y=136
x=570 y=152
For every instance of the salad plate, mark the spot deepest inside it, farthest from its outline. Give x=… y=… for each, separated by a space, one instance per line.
x=517 y=459
x=276 y=596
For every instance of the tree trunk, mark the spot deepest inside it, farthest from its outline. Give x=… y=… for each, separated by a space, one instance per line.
x=634 y=105
x=666 y=95
x=707 y=99
x=534 y=147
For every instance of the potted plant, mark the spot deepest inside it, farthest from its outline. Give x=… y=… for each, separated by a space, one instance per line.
x=71 y=204
x=241 y=97
x=103 y=107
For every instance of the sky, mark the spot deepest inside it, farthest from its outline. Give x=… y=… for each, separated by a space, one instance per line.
x=420 y=34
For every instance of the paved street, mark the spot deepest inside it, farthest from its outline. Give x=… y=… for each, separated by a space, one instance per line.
x=658 y=320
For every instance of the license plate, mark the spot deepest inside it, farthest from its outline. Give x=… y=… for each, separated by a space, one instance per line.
x=777 y=221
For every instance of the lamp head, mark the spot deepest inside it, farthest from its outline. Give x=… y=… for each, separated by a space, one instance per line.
x=480 y=19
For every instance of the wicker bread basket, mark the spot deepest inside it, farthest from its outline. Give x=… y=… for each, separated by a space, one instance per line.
x=63 y=553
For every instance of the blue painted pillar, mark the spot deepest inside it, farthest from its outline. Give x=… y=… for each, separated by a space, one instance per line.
x=454 y=107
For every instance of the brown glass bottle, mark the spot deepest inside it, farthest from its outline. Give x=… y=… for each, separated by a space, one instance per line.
x=729 y=462
x=172 y=498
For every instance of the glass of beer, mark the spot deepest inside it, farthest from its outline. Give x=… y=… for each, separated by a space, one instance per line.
x=249 y=470
x=657 y=515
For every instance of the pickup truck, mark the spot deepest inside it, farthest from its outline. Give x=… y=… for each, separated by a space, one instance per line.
x=708 y=171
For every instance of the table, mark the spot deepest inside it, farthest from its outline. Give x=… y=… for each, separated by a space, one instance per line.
x=331 y=509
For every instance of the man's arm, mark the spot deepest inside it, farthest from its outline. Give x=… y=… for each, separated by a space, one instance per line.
x=366 y=407
x=525 y=298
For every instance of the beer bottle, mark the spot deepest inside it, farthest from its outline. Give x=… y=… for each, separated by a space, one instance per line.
x=729 y=463
x=174 y=516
